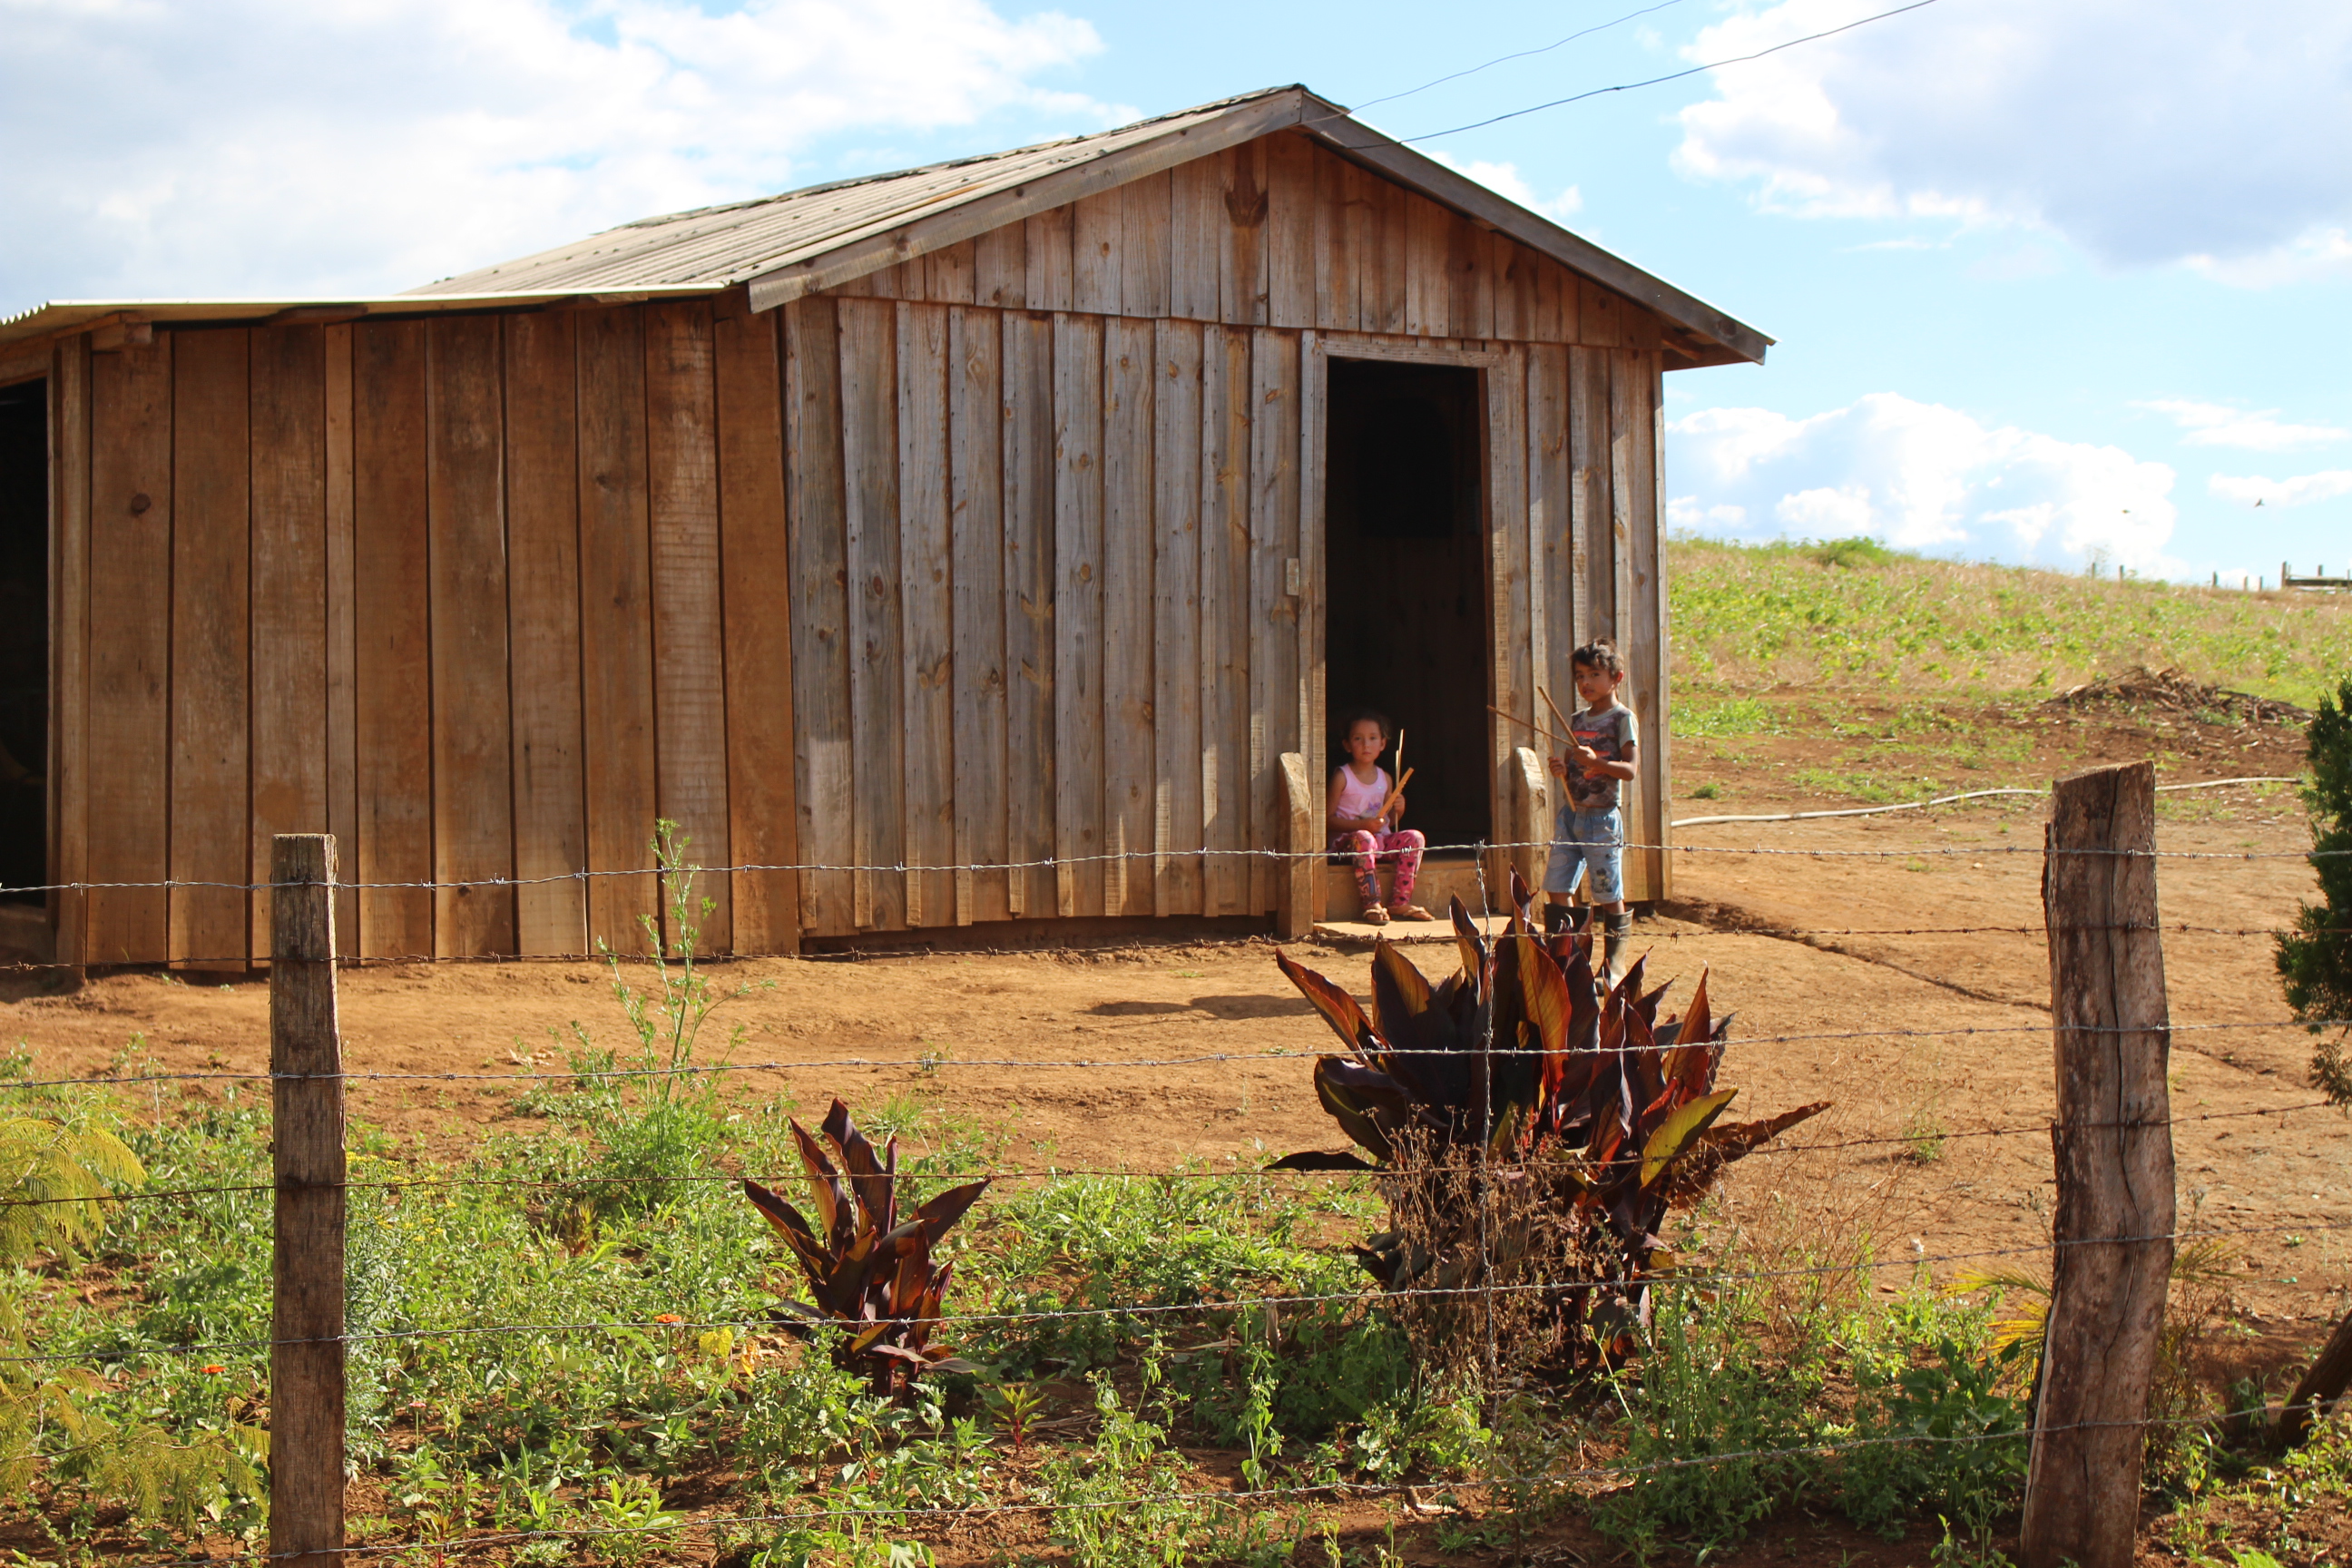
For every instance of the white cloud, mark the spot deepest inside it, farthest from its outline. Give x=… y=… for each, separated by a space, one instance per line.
x=168 y=147
x=2144 y=134
x=1505 y=180
x=2299 y=490
x=1921 y=476
x=2257 y=430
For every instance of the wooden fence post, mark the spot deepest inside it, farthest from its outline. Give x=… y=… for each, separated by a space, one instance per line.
x=1295 y=880
x=306 y=1063
x=2112 y=1233
x=1531 y=802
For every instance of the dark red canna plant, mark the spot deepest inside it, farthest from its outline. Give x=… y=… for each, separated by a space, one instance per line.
x=869 y=1273
x=1574 y=1119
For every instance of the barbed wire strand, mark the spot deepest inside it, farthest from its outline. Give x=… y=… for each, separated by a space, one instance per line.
x=1160 y=1309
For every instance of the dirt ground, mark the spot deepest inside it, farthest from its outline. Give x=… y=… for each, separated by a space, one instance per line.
x=1145 y=1056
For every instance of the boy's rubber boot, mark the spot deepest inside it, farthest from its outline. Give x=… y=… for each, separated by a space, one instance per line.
x=1618 y=932
x=1555 y=918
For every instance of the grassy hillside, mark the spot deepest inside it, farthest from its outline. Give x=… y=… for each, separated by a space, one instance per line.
x=1853 y=614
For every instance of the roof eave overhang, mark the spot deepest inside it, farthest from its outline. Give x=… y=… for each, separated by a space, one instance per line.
x=59 y=317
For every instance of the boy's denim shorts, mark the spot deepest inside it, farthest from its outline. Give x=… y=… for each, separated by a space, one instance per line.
x=1588 y=839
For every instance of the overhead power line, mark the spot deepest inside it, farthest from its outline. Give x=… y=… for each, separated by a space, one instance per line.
x=1521 y=55
x=1671 y=76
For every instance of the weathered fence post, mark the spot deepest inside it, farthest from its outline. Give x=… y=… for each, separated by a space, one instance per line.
x=306 y=1063
x=1295 y=882
x=2112 y=1234
x=1530 y=814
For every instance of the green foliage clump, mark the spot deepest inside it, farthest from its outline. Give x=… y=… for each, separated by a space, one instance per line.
x=2314 y=959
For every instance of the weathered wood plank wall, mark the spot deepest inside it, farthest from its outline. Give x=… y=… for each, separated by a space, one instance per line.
x=480 y=594
x=1006 y=554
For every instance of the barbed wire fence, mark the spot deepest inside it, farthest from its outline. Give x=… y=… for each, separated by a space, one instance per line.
x=2111 y=1243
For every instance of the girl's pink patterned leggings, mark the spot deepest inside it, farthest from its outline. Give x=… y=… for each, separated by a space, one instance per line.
x=1403 y=847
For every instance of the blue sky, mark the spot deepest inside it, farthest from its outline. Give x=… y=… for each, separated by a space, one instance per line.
x=2054 y=281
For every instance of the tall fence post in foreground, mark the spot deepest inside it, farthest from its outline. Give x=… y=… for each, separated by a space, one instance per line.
x=2112 y=1233
x=305 y=1065
x=1295 y=883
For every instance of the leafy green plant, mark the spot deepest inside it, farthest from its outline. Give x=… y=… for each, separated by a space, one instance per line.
x=1947 y=1435
x=2314 y=959
x=655 y=1114
x=1516 y=1076
x=870 y=1273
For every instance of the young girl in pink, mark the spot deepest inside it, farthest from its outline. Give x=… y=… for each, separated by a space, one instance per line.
x=1359 y=789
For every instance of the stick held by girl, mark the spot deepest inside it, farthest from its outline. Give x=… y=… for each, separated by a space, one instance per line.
x=1364 y=814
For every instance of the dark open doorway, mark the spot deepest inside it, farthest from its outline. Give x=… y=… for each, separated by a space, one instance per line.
x=1405 y=617
x=24 y=637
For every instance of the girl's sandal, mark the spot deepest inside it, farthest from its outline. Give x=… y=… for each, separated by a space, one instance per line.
x=1410 y=912
x=1376 y=915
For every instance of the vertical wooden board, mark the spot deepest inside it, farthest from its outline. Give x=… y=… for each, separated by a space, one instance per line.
x=393 y=668
x=1335 y=264
x=130 y=600
x=1029 y=570
x=976 y=527
x=950 y=274
x=1425 y=293
x=1594 y=583
x=1176 y=669
x=1196 y=237
x=1241 y=259
x=1225 y=565
x=1094 y=256
x=1623 y=480
x=1313 y=381
x=1359 y=242
x=343 y=646
x=542 y=472
x=1079 y=828
x=1386 y=267
x=1470 y=283
x=869 y=454
x=1128 y=751
x=1515 y=288
x=1273 y=613
x=1637 y=330
x=1000 y=267
x=818 y=585
x=1550 y=509
x=1289 y=230
x=69 y=642
x=1507 y=558
x=1046 y=250
x=289 y=597
x=1645 y=614
x=616 y=627
x=690 y=640
x=756 y=607
x=212 y=520
x=473 y=778
x=926 y=610
x=1660 y=742
x=1145 y=213
x=890 y=282
x=1600 y=316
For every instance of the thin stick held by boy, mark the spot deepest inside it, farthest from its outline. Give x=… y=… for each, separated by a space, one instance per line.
x=1589 y=830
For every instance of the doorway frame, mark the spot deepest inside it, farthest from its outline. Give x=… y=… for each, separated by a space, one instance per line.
x=1494 y=453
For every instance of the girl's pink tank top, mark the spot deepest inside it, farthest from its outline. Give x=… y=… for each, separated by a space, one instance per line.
x=1360 y=800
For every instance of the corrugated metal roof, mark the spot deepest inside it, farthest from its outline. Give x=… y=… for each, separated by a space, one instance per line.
x=721 y=245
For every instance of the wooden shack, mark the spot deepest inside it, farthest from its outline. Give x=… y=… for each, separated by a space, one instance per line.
x=978 y=539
